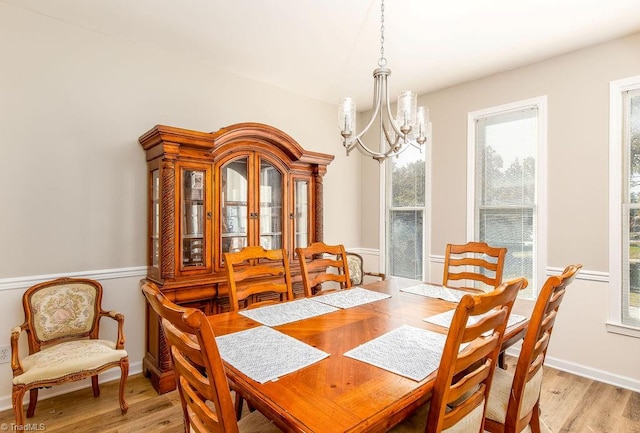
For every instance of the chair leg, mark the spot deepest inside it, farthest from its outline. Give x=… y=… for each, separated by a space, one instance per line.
x=124 y=368
x=95 y=386
x=17 y=397
x=501 y=362
x=535 y=418
x=33 y=400
x=238 y=405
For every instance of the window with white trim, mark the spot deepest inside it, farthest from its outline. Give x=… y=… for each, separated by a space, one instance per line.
x=506 y=167
x=625 y=203
x=406 y=213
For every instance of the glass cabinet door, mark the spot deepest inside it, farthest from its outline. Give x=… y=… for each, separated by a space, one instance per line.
x=271 y=202
x=301 y=213
x=193 y=218
x=233 y=205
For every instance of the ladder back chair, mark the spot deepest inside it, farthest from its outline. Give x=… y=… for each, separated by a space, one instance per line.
x=463 y=381
x=62 y=325
x=202 y=384
x=317 y=264
x=356 y=270
x=514 y=402
x=254 y=271
x=486 y=261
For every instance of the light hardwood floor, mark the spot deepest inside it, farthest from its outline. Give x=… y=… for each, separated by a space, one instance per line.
x=570 y=404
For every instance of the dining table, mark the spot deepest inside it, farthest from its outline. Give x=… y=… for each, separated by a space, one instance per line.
x=340 y=389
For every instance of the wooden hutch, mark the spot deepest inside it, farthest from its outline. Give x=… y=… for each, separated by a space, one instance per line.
x=211 y=193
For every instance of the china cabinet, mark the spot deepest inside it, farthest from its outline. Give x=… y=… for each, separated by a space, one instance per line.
x=211 y=193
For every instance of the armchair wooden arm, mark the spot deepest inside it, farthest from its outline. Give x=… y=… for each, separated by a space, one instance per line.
x=119 y=317
x=16 y=365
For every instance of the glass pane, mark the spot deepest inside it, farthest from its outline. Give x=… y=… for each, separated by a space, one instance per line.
x=631 y=279
x=270 y=207
x=234 y=205
x=408 y=178
x=301 y=216
x=155 y=218
x=505 y=189
x=634 y=150
x=511 y=228
x=193 y=193
x=405 y=243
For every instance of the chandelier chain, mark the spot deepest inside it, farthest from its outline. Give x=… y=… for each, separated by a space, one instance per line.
x=382 y=62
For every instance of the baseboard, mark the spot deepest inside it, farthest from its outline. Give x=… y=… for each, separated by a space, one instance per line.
x=107 y=376
x=586 y=372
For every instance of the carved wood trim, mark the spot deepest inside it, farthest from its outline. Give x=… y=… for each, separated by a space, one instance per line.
x=168 y=223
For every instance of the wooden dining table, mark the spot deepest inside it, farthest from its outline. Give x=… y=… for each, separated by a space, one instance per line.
x=339 y=393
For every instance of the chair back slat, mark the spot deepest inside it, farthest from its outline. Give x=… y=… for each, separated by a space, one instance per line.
x=321 y=263
x=254 y=270
x=200 y=377
x=534 y=348
x=465 y=374
x=475 y=264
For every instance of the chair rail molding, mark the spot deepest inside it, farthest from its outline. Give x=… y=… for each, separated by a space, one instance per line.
x=101 y=274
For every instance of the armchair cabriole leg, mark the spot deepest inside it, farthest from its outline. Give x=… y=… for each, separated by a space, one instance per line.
x=124 y=368
x=33 y=400
x=95 y=386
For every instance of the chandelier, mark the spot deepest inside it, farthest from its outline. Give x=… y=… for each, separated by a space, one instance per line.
x=410 y=127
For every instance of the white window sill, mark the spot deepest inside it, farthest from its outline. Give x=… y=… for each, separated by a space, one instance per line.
x=619 y=328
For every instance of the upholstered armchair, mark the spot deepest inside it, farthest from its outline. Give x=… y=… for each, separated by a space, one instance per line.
x=356 y=269
x=62 y=324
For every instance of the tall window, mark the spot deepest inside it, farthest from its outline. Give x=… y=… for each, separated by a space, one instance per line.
x=505 y=148
x=406 y=191
x=625 y=202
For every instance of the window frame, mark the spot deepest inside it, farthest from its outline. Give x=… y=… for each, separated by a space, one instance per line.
x=385 y=211
x=540 y=204
x=616 y=201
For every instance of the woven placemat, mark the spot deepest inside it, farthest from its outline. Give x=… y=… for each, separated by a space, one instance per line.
x=444 y=319
x=287 y=312
x=351 y=297
x=266 y=354
x=438 y=292
x=408 y=351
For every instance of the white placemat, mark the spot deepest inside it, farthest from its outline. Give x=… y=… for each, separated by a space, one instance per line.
x=287 y=312
x=444 y=319
x=265 y=354
x=351 y=297
x=438 y=292
x=408 y=351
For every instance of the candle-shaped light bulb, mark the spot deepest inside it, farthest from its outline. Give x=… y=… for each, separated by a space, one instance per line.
x=347 y=116
x=406 y=118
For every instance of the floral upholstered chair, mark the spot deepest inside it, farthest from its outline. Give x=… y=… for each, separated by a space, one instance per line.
x=62 y=323
x=356 y=269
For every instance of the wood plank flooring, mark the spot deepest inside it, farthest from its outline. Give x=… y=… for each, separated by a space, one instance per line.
x=570 y=404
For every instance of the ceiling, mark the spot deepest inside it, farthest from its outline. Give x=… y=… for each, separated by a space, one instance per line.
x=325 y=49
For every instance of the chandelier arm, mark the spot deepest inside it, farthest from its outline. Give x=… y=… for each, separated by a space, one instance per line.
x=388 y=137
x=392 y=121
x=377 y=101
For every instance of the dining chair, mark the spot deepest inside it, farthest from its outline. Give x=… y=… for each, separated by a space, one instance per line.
x=321 y=263
x=201 y=380
x=62 y=325
x=356 y=269
x=468 y=362
x=474 y=265
x=258 y=277
x=514 y=401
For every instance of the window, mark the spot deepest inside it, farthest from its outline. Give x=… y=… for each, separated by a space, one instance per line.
x=506 y=148
x=624 y=266
x=406 y=221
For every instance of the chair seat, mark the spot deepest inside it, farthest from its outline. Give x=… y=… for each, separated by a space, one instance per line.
x=416 y=423
x=501 y=389
x=67 y=358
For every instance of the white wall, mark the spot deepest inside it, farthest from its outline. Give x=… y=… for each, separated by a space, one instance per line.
x=577 y=87
x=72 y=175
